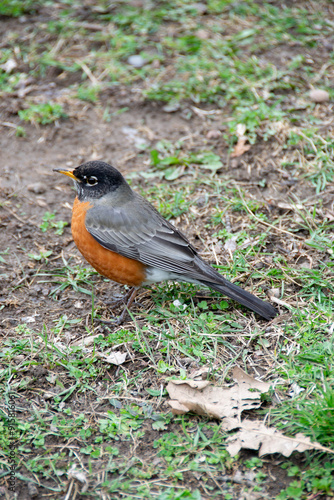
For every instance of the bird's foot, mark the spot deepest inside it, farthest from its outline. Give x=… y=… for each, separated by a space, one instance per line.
x=115 y=322
x=130 y=296
x=119 y=301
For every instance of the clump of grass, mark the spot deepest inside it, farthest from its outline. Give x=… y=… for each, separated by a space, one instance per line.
x=88 y=93
x=16 y=8
x=43 y=114
x=50 y=223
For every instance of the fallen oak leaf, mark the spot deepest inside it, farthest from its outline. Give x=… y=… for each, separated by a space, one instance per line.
x=204 y=398
x=254 y=435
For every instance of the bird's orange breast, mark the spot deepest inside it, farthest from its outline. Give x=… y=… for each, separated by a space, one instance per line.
x=108 y=263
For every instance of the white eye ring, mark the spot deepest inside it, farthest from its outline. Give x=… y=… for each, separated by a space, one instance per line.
x=91 y=180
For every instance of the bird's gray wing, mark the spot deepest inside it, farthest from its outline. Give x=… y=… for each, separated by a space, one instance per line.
x=137 y=231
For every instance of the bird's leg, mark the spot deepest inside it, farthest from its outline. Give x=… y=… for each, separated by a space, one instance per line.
x=131 y=294
x=128 y=304
x=121 y=300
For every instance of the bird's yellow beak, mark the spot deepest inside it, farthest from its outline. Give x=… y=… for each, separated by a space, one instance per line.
x=69 y=173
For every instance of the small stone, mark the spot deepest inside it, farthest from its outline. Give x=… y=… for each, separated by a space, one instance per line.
x=9 y=65
x=137 y=61
x=41 y=202
x=328 y=45
x=213 y=134
x=32 y=490
x=202 y=34
x=250 y=476
x=37 y=188
x=275 y=292
x=319 y=95
x=237 y=477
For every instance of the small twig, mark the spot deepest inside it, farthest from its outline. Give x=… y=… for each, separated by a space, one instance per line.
x=88 y=72
x=280 y=302
x=9 y=124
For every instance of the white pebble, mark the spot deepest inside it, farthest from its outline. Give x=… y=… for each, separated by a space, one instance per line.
x=319 y=95
x=137 y=61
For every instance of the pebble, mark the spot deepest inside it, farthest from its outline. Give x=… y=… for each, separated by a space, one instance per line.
x=32 y=490
x=37 y=188
x=213 y=134
x=137 y=61
x=202 y=34
x=319 y=95
x=9 y=65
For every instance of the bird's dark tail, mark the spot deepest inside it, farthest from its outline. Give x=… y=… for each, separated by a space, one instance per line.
x=245 y=298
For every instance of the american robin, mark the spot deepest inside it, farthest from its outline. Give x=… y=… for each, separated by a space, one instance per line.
x=125 y=239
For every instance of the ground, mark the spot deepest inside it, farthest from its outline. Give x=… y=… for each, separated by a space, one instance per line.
x=220 y=128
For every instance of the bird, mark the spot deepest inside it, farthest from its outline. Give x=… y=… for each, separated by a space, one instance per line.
x=128 y=241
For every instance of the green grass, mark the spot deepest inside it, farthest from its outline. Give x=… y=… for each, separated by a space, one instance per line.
x=16 y=8
x=90 y=93
x=50 y=223
x=75 y=277
x=43 y=113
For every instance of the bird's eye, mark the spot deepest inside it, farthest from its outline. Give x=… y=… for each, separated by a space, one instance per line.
x=92 y=180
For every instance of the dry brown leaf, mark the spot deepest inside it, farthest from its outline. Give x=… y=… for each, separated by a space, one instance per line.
x=178 y=408
x=241 y=147
x=287 y=206
x=242 y=377
x=203 y=398
x=254 y=435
